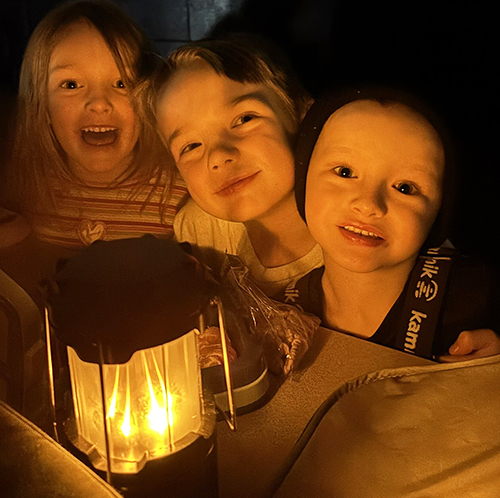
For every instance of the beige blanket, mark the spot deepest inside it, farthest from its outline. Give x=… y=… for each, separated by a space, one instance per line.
x=431 y=431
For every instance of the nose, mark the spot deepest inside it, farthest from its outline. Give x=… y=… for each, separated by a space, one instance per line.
x=99 y=101
x=370 y=202
x=224 y=153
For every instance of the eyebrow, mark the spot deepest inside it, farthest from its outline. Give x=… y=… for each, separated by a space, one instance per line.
x=59 y=67
x=172 y=137
x=257 y=95
x=426 y=169
x=339 y=148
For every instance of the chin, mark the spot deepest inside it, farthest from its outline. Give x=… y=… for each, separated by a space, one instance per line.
x=353 y=264
x=239 y=214
x=360 y=267
x=235 y=218
x=99 y=172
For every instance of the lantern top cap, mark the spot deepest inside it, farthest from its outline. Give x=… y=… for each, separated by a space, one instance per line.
x=117 y=297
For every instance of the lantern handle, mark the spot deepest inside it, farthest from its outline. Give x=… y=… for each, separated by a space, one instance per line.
x=231 y=419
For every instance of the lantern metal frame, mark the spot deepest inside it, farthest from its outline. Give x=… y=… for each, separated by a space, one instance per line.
x=229 y=415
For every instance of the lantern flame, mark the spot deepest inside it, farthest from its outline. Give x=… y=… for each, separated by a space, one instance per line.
x=157 y=417
x=112 y=403
x=126 y=426
x=161 y=413
x=152 y=403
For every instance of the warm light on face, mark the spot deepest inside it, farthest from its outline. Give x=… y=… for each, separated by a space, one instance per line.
x=153 y=403
x=230 y=142
x=86 y=92
x=377 y=169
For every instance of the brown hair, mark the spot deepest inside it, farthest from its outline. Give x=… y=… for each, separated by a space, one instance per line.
x=244 y=58
x=37 y=155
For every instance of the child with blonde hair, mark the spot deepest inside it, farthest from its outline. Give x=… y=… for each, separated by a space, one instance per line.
x=85 y=164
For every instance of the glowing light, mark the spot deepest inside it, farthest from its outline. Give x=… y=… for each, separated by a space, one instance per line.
x=126 y=426
x=170 y=399
x=149 y=411
x=112 y=404
x=157 y=416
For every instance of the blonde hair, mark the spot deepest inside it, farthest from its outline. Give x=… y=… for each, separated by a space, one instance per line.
x=244 y=58
x=37 y=156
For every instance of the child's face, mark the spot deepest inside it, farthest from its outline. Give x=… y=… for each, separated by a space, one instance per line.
x=374 y=186
x=229 y=141
x=89 y=107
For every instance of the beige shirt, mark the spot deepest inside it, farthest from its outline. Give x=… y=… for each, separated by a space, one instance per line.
x=212 y=238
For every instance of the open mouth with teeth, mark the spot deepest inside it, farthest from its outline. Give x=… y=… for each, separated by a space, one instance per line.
x=99 y=135
x=363 y=233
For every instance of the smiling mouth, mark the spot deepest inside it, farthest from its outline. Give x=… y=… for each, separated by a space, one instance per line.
x=236 y=184
x=364 y=233
x=99 y=135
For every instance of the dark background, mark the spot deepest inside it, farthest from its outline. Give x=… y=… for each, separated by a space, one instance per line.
x=444 y=50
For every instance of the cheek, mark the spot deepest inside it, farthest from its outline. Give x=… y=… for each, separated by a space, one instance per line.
x=320 y=212
x=128 y=111
x=282 y=168
x=271 y=146
x=428 y=214
x=59 y=115
x=194 y=180
x=61 y=124
x=131 y=120
x=414 y=227
x=322 y=199
x=135 y=134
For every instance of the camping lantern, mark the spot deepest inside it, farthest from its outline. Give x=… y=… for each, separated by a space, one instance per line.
x=129 y=313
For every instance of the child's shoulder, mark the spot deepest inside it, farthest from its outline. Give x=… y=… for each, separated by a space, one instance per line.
x=195 y=226
x=474 y=278
x=472 y=296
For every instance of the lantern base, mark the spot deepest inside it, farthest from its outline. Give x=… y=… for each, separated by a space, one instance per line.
x=187 y=473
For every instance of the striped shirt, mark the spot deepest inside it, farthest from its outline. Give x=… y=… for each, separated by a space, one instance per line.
x=85 y=214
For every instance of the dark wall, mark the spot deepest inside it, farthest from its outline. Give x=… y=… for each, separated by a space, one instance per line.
x=169 y=23
x=445 y=50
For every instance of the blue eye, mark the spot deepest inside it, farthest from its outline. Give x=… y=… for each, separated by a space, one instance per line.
x=344 y=172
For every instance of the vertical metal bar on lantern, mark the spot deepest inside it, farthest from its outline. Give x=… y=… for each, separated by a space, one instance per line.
x=231 y=421
x=105 y=416
x=51 y=372
x=168 y=401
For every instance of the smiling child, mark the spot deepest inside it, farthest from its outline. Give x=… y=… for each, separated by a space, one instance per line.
x=85 y=165
x=375 y=183
x=229 y=113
